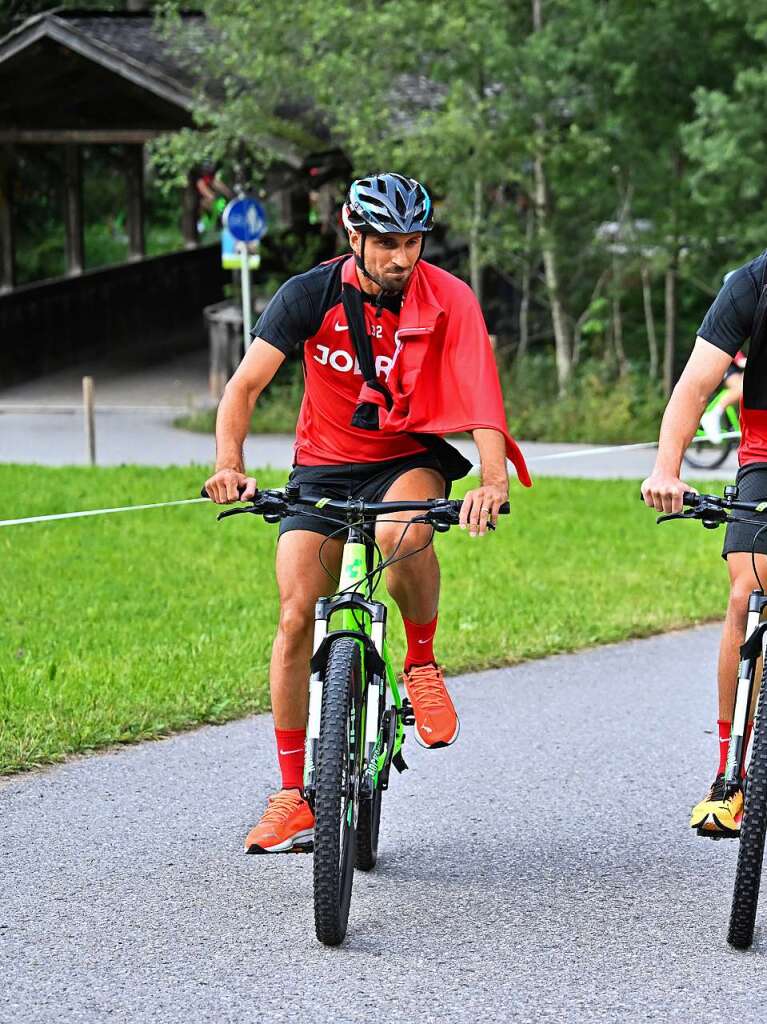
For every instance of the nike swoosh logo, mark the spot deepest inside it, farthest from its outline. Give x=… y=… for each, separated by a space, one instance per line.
x=340 y=327
x=298 y=750
x=426 y=641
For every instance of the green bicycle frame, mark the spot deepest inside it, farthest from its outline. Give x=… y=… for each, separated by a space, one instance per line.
x=730 y=412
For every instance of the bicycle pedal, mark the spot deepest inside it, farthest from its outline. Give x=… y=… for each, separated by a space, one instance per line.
x=406 y=714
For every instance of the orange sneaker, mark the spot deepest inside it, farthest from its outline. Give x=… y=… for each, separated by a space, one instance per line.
x=436 y=723
x=286 y=824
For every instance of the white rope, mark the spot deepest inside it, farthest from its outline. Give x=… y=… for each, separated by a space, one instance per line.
x=99 y=512
x=617 y=448
x=196 y=501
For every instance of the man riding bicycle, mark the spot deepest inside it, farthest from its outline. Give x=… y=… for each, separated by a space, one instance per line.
x=395 y=353
x=738 y=313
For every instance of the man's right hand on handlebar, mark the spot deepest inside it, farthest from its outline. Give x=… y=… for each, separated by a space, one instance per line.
x=229 y=485
x=663 y=491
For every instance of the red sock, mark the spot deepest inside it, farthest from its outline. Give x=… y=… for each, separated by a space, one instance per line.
x=290 y=754
x=724 y=745
x=420 y=642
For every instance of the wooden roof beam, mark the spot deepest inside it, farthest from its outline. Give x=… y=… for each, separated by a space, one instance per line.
x=81 y=136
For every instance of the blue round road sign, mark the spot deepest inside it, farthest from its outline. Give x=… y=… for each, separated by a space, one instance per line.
x=246 y=219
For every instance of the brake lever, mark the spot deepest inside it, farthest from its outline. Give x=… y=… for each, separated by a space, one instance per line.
x=710 y=515
x=236 y=512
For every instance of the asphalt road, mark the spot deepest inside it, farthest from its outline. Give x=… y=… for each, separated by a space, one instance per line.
x=41 y=422
x=147 y=437
x=539 y=870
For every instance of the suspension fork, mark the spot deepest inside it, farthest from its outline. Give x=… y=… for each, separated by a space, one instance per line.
x=753 y=646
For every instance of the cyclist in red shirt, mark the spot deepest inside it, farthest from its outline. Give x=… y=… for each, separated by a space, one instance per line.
x=739 y=313
x=377 y=437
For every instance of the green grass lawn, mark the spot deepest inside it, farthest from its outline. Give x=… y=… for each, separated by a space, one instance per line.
x=124 y=627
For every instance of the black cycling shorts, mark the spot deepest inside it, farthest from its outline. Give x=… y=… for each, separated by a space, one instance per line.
x=366 y=480
x=751 y=482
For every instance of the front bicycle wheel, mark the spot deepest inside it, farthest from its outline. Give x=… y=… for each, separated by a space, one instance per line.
x=748 y=874
x=336 y=800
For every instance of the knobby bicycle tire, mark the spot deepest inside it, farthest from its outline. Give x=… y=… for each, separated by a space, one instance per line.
x=338 y=767
x=748 y=874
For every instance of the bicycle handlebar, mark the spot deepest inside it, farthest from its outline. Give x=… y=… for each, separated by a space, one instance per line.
x=280 y=504
x=714 y=510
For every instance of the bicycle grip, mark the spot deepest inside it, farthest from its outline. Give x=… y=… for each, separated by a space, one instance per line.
x=504 y=509
x=204 y=493
x=690 y=498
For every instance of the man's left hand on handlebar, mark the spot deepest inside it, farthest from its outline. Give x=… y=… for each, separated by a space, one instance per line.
x=480 y=508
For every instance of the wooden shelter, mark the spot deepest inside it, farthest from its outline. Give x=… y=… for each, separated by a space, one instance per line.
x=72 y=78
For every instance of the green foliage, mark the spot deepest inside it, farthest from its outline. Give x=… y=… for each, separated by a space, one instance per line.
x=125 y=627
x=276 y=411
x=39 y=205
x=598 y=406
x=476 y=98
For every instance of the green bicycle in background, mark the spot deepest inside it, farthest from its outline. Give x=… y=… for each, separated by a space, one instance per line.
x=357 y=714
x=704 y=453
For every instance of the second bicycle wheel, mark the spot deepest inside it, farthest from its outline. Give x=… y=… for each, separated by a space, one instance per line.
x=748 y=874
x=704 y=454
x=336 y=801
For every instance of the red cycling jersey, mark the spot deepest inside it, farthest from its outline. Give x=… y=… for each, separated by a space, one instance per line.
x=434 y=355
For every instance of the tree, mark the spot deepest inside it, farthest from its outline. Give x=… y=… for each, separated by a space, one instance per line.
x=535 y=122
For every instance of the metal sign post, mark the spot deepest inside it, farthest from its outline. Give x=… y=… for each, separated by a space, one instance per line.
x=247 y=307
x=245 y=220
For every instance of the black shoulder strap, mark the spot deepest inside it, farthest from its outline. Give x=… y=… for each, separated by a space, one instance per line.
x=754 y=390
x=366 y=414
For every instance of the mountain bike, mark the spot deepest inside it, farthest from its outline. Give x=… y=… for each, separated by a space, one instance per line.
x=712 y=511
x=357 y=713
x=703 y=453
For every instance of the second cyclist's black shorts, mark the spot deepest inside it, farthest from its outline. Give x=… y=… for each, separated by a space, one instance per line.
x=368 y=481
x=752 y=486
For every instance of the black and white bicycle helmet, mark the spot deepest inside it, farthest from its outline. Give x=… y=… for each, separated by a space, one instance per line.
x=388 y=202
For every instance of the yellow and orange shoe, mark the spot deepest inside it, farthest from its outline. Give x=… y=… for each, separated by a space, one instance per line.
x=286 y=825
x=719 y=814
x=436 y=723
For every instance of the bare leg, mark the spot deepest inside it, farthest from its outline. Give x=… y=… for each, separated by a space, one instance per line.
x=413 y=582
x=301 y=581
